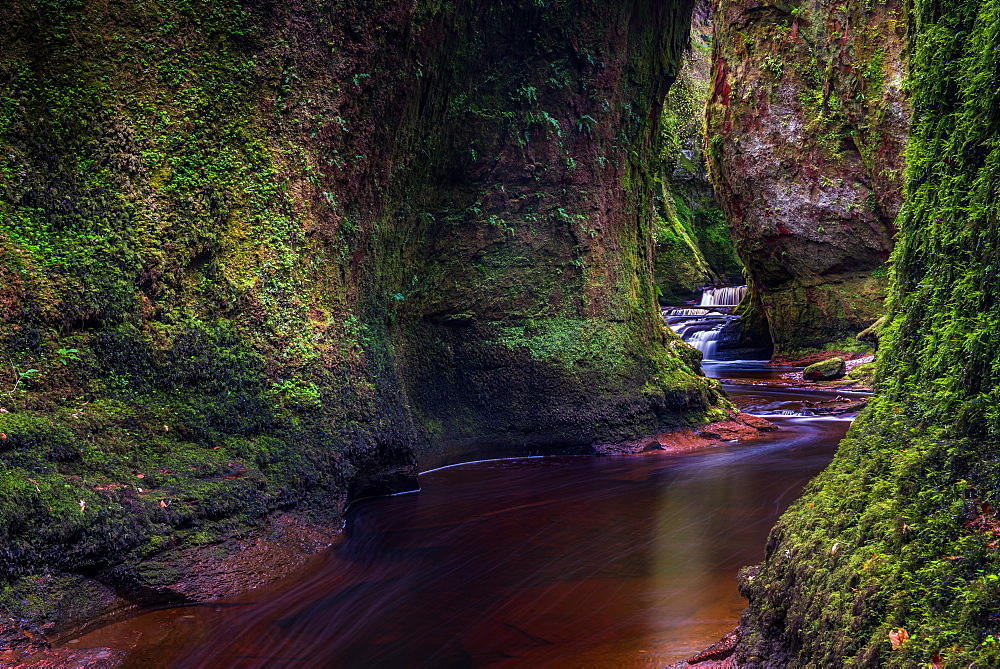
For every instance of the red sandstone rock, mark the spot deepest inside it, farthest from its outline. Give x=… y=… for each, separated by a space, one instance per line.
x=64 y=658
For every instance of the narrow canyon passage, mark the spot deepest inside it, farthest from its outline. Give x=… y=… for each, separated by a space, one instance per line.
x=562 y=561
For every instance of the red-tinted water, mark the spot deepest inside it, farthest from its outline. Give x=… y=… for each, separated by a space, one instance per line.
x=555 y=562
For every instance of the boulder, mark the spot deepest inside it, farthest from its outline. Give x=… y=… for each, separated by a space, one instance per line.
x=827 y=370
x=863 y=374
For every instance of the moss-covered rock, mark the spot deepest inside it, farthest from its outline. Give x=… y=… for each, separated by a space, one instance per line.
x=830 y=369
x=807 y=122
x=693 y=244
x=870 y=335
x=901 y=531
x=261 y=256
x=863 y=374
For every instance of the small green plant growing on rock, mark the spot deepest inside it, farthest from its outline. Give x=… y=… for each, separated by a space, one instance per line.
x=20 y=378
x=67 y=354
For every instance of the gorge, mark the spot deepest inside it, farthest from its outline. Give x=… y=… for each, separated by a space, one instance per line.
x=262 y=259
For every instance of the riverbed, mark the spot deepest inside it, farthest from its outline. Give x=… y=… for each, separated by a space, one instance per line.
x=625 y=561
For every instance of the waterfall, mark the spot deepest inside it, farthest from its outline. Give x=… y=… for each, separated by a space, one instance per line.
x=705 y=341
x=680 y=311
x=702 y=325
x=726 y=296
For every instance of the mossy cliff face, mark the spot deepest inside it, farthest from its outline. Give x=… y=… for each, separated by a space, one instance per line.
x=901 y=532
x=693 y=244
x=264 y=256
x=807 y=124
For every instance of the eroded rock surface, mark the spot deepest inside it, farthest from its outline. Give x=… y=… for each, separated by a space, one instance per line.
x=266 y=256
x=807 y=124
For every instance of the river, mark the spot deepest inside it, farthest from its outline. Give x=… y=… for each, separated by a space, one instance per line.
x=624 y=561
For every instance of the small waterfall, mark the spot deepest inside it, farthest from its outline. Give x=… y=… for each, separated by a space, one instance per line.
x=679 y=311
x=725 y=296
x=702 y=325
x=706 y=341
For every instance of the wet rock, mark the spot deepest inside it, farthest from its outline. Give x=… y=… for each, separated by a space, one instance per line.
x=827 y=370
x=870 y=335
x=20 y=636
x=740 y=427
x=85 y=658
x=757 y=422
x=808 y=123
x=864 y=374
x=720 y=650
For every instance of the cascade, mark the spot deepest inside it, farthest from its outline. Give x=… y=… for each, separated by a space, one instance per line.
x=701 y=326
x=706 y=341
x=724 y=296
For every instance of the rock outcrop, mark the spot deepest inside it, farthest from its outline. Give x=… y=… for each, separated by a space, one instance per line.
x=891 y=559
x=807 y=123
x=261 y=256
x=825 y=370
x=693 y=244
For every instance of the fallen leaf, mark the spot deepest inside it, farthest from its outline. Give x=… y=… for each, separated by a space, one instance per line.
x=140 y=476
x=163 y=504
x=936 y=661
x=898 y=637
x=166 y=429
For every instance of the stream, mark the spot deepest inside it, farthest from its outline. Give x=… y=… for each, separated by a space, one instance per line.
x=624 y=561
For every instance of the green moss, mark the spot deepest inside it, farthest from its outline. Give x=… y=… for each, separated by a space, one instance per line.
x=812 y=218
x=283 y=276
x=848 y=344
x=901 y=530
x=693 y=244
x=825 y=370
x=864 y=374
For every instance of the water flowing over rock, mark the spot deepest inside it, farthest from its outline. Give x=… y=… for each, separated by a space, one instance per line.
x=727 y=296
x=711 y=324
x=807 y=124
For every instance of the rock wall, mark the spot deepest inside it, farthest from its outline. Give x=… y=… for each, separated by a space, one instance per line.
x=892 y=557
x=262 y=256
x=807 y=124
x=693 y=244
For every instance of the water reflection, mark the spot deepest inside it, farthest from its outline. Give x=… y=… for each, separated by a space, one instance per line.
x=568 y=561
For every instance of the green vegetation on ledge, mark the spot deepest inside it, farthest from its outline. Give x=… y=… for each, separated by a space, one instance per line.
x=694 y=246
